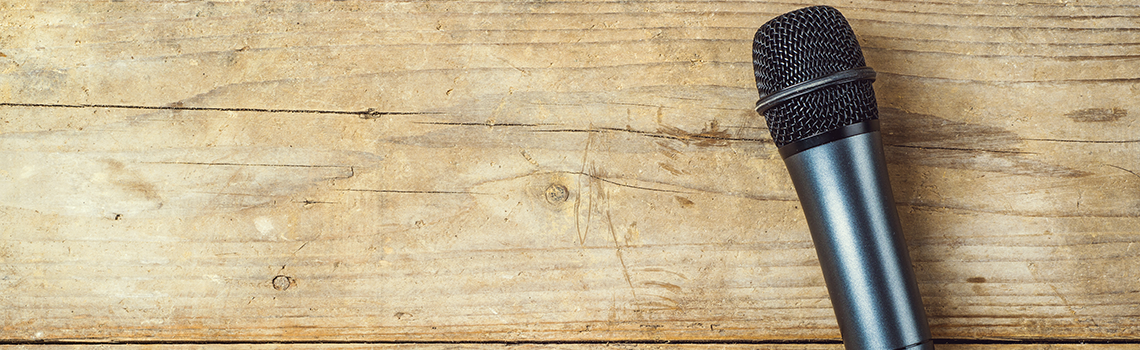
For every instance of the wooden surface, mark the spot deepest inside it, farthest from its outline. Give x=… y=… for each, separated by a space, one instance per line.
x=571 y=346
x=189 y=172
x=462 y=346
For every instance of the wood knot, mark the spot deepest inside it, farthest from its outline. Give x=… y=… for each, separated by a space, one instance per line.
x=557 y=193
x=282 y=282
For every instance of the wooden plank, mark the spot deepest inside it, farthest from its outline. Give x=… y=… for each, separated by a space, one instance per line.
x=561 y=346
x=356 y=171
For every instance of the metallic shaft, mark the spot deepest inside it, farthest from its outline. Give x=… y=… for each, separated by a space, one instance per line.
x=846 y=196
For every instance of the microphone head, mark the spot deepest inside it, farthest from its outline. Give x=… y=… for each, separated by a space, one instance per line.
x=802 y=45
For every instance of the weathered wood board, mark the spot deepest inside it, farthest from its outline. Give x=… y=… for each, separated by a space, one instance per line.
x=460 y=346
x=554 y=171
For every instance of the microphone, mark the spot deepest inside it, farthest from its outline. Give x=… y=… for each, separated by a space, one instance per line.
x=817 y=99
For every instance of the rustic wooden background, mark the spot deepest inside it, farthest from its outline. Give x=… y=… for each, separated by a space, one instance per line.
x=550 y=173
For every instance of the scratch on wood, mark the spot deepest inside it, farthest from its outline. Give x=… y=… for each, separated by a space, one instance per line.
x=617 y=249
x=578 y=197
x=1034 y=271
x=666 y=303
x=1129 y=171
x=662 y=270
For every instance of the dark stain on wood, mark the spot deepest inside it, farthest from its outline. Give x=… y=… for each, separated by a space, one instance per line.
x=130 y=182
x=920 y=139
x=685 y=202
x=667 y=286
x=670 y=168
x=1096 y=115
x=670 y=152
x=914 y=129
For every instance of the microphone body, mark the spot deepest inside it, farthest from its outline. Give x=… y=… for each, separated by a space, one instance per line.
x=846 y=198
x=817 y=99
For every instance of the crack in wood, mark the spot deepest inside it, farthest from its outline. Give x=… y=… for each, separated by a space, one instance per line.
x=1084 y=141
x=365 y=114
x=407 y=191
x=961 y=149
x=685 y=138
x=480 y=124
x=255 y=164
x=1019 y=213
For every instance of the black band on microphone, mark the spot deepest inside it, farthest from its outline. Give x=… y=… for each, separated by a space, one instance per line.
x=840 y=77
x=862 y=127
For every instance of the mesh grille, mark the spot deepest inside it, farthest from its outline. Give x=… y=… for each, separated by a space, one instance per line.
x=802 y=45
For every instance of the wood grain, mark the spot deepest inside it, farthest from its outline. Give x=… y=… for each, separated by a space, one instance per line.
x=560 y=346
x=542 y=171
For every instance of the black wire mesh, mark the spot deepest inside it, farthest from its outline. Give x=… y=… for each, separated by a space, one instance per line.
x=802 y=45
